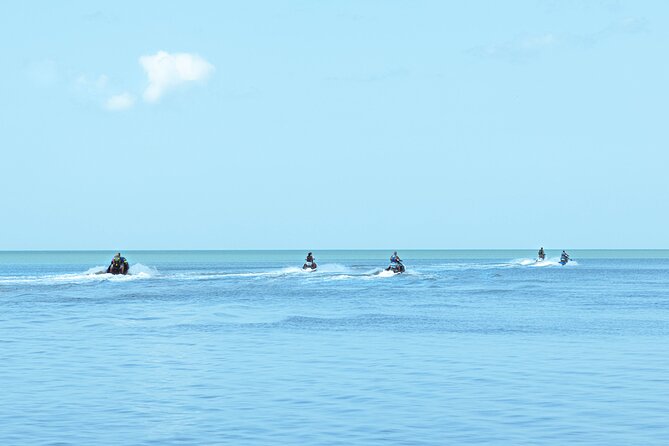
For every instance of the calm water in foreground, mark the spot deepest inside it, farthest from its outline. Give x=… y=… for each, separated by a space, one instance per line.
x=243 y=348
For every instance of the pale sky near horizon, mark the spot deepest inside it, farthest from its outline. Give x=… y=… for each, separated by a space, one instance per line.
x=343 y=124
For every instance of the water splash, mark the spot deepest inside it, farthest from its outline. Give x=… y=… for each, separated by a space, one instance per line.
x=96 y=274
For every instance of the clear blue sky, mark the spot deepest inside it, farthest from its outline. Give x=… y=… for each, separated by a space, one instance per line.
x=334 y=124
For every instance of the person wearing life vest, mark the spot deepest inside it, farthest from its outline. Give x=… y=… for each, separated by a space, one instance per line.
x=542 y=254
x=396 y=265
x=564 y=257
x=395 y=259
x=310 y=258
x=119 y=265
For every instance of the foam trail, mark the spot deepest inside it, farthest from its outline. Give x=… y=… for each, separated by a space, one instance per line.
x=96 y=270
x=289 y=270
x=95 y=274
x=385 y=273
x=138 y=269
x=274 y=273
x=334 y=268
x=535 y=262
x=326 y=271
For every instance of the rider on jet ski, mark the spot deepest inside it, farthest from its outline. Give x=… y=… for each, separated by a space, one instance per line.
x=118 y=265
x=395 y=264
x=564 y=257
x=542 y=254
x=310 y=262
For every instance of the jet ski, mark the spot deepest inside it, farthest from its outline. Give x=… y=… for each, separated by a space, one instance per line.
x=115 y=270
x=310 y=265
x=397 y=268
x=309 y=262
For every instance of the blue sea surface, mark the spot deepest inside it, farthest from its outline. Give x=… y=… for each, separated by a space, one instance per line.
x=245 y=348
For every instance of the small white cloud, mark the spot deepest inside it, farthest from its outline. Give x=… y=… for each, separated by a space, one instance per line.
x=166 y=71
x=119 y=102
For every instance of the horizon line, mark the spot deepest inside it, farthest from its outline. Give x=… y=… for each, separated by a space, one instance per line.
x=327 y=249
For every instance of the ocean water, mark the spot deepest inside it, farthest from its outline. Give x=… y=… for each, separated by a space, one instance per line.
x=244 y=348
